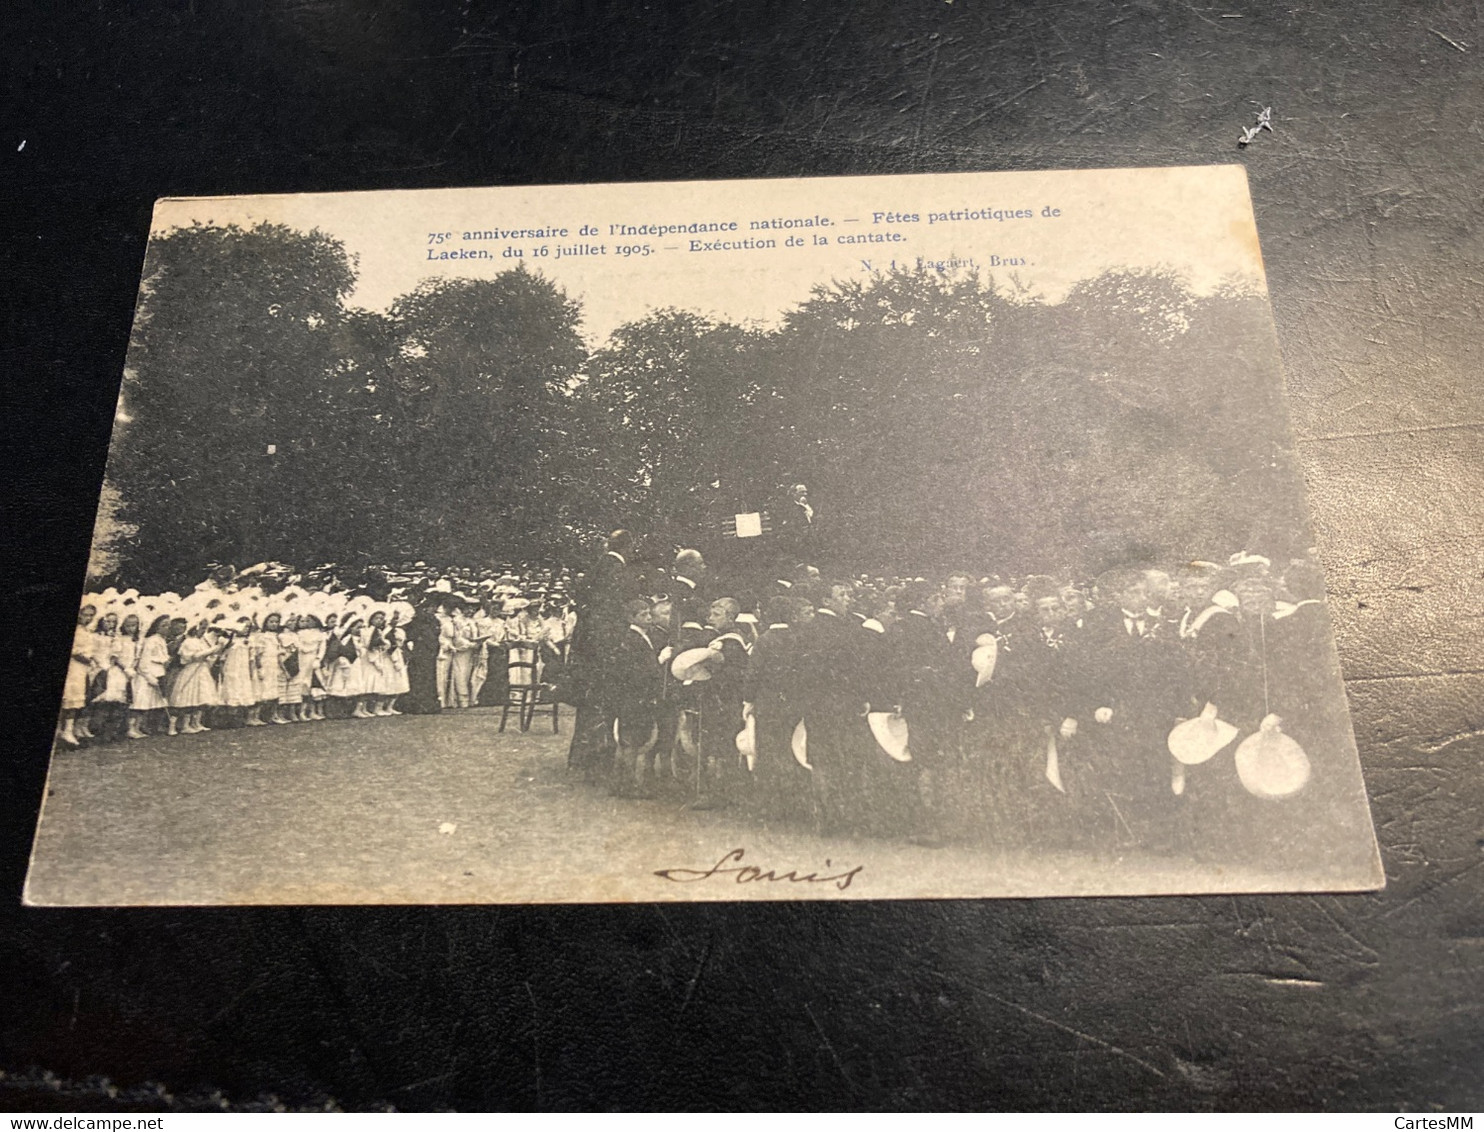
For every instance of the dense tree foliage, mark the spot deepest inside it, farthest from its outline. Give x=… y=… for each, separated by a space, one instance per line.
x=939 y=420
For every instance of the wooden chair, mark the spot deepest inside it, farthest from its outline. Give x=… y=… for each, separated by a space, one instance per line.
x=525 y=694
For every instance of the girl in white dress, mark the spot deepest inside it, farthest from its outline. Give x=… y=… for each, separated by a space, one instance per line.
x=291 y=691
x=310 y=641
x=126 y=654
x=72 y=728
x=326 y=666
x=342 y=675
x=110 y=679
x=238 y=693
x=378 y=670
x=267 y=670
x=365 y=675
x=195 y=688
x=400 y=684
x=146 y=689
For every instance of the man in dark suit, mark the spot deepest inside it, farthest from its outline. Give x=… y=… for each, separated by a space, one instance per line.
x=634 y=680
x=933 y=697
x=775 y=672
x=601 y=623
x=795 y=524
x=834 y=710
x=1132 y=680
x=719 y=703
x=689 y=604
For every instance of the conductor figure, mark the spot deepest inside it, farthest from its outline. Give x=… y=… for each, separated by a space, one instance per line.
x=795 y=523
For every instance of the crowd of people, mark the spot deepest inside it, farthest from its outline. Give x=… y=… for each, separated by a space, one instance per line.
x=935 y=709
x=270 y=646
x=964 y=706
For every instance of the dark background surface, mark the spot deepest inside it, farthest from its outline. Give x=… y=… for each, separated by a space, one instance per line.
x=1369 y=205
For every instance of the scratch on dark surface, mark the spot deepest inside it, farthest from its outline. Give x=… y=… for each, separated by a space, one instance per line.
x=1449 y=41
x=424 y=1081
x=1091 y=1039
x=927 y=90
x=829 y=1045
x=1444 y=744
x=1288 y=981
x=238 y=997
x=690 y=987
x=1441 y=672
x=149 y=1096
x=1019 y=94
x=1371 y=958
x=535 y=1038
x=1400 y=431
x=1428 y=890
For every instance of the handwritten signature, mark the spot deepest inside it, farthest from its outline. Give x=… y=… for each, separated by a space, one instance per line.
x=731 y=865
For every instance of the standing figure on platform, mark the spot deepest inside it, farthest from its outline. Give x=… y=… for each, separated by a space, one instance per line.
x=795 y=524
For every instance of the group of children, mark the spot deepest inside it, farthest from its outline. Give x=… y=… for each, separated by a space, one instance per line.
x=164 y=664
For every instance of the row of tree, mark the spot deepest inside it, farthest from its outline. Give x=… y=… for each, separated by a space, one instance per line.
x=939 y=420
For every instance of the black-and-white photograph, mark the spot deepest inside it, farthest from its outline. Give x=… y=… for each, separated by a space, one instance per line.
x=873 y=537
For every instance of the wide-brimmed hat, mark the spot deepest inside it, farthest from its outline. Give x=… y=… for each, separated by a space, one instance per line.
x=890 y=730
x=690 y=665
x=1194 y=741
x=1270 y=764
x=747 y=738
x=983 y=659
x=799 y=744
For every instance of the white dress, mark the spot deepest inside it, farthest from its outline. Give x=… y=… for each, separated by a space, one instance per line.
x=290 y=691
x=237 y=687
x=266 y=673
x=311 y=645
x=111 y=653
x=342 y=676
x=399 y=681
x=146 y=689
x=75 y=689
x=377 y=670
x=194 y=686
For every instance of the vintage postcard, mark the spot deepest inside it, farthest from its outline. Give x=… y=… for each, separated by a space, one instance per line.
x=841 y=538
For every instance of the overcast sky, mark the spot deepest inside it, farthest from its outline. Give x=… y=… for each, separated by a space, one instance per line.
x=1195 y=220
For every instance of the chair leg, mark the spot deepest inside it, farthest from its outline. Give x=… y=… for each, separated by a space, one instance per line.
x=504 y=713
